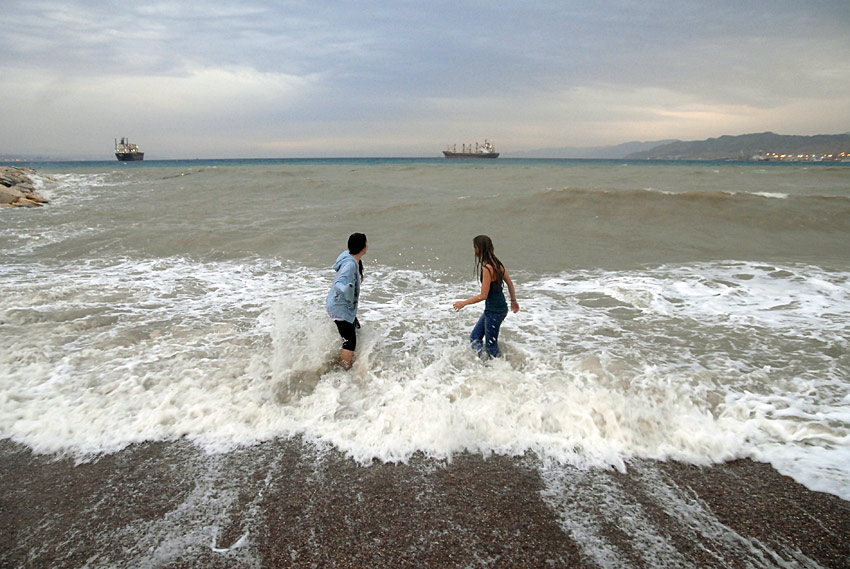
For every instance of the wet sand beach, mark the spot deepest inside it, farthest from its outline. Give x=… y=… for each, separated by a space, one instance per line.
x=286 y=503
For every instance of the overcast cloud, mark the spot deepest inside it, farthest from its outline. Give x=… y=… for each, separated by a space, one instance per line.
x=294 y=79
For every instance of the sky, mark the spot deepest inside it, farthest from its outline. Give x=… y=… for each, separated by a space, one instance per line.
x=279 y=79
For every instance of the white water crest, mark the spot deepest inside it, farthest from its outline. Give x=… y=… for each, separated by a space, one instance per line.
x=701 y=363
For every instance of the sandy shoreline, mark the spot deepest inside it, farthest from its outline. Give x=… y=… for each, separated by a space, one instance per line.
x=287 y=504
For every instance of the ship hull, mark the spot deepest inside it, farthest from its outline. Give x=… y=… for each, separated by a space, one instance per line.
x=130 y=156
x=448 y=154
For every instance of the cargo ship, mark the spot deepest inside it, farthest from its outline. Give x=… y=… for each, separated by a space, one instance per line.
x=126 y=152
x=484 y=151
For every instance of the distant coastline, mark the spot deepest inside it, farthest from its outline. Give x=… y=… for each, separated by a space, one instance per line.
x=766 y=146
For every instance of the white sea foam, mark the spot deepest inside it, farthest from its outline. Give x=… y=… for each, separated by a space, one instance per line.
x=61 y=188
x=701 y=363
x=775 y=195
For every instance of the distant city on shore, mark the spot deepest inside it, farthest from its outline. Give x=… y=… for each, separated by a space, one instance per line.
x=761 y=147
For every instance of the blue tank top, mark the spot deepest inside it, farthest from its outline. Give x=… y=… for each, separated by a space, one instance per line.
x=496 y=299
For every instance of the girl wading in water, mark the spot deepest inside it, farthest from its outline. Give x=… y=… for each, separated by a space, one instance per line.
x=345 y=294
x=492 y=274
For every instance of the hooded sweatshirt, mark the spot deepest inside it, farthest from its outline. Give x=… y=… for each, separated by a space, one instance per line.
x=345 y=291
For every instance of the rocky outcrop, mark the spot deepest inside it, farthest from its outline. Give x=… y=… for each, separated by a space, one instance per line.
x=17 y=188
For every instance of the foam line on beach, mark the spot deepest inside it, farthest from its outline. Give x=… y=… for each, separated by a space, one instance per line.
x=600 y=367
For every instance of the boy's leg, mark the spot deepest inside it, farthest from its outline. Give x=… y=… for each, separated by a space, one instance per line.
x=346 y=358
x=349 y=337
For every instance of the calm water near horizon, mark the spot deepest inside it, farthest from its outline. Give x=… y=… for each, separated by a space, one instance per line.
x=692 y=311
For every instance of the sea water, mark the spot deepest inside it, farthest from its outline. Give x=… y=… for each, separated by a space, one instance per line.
x=687 y=311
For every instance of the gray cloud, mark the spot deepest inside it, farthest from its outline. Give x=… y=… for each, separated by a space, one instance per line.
x=297 y=78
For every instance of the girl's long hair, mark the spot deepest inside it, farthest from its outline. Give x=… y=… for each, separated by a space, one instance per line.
x=484 y=256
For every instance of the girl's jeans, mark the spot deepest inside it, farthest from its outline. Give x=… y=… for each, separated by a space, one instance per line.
x=487 y=330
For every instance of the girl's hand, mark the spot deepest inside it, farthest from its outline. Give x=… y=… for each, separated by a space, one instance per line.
x=514 y=306
x=458 y=305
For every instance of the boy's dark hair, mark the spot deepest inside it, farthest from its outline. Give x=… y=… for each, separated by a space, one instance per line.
x=356 y=243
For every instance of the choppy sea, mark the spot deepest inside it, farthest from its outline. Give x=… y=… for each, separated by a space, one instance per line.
x=689 y=311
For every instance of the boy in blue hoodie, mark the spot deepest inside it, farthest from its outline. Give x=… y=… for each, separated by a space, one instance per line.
x=345 y=293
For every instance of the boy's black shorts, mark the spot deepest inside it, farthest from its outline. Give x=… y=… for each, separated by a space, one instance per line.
x=349 y=337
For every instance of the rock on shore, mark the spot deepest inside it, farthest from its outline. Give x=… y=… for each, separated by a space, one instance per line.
x=17 y=188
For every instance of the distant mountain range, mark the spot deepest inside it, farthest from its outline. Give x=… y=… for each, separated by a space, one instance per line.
x=742 y=147
x=745 y=146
